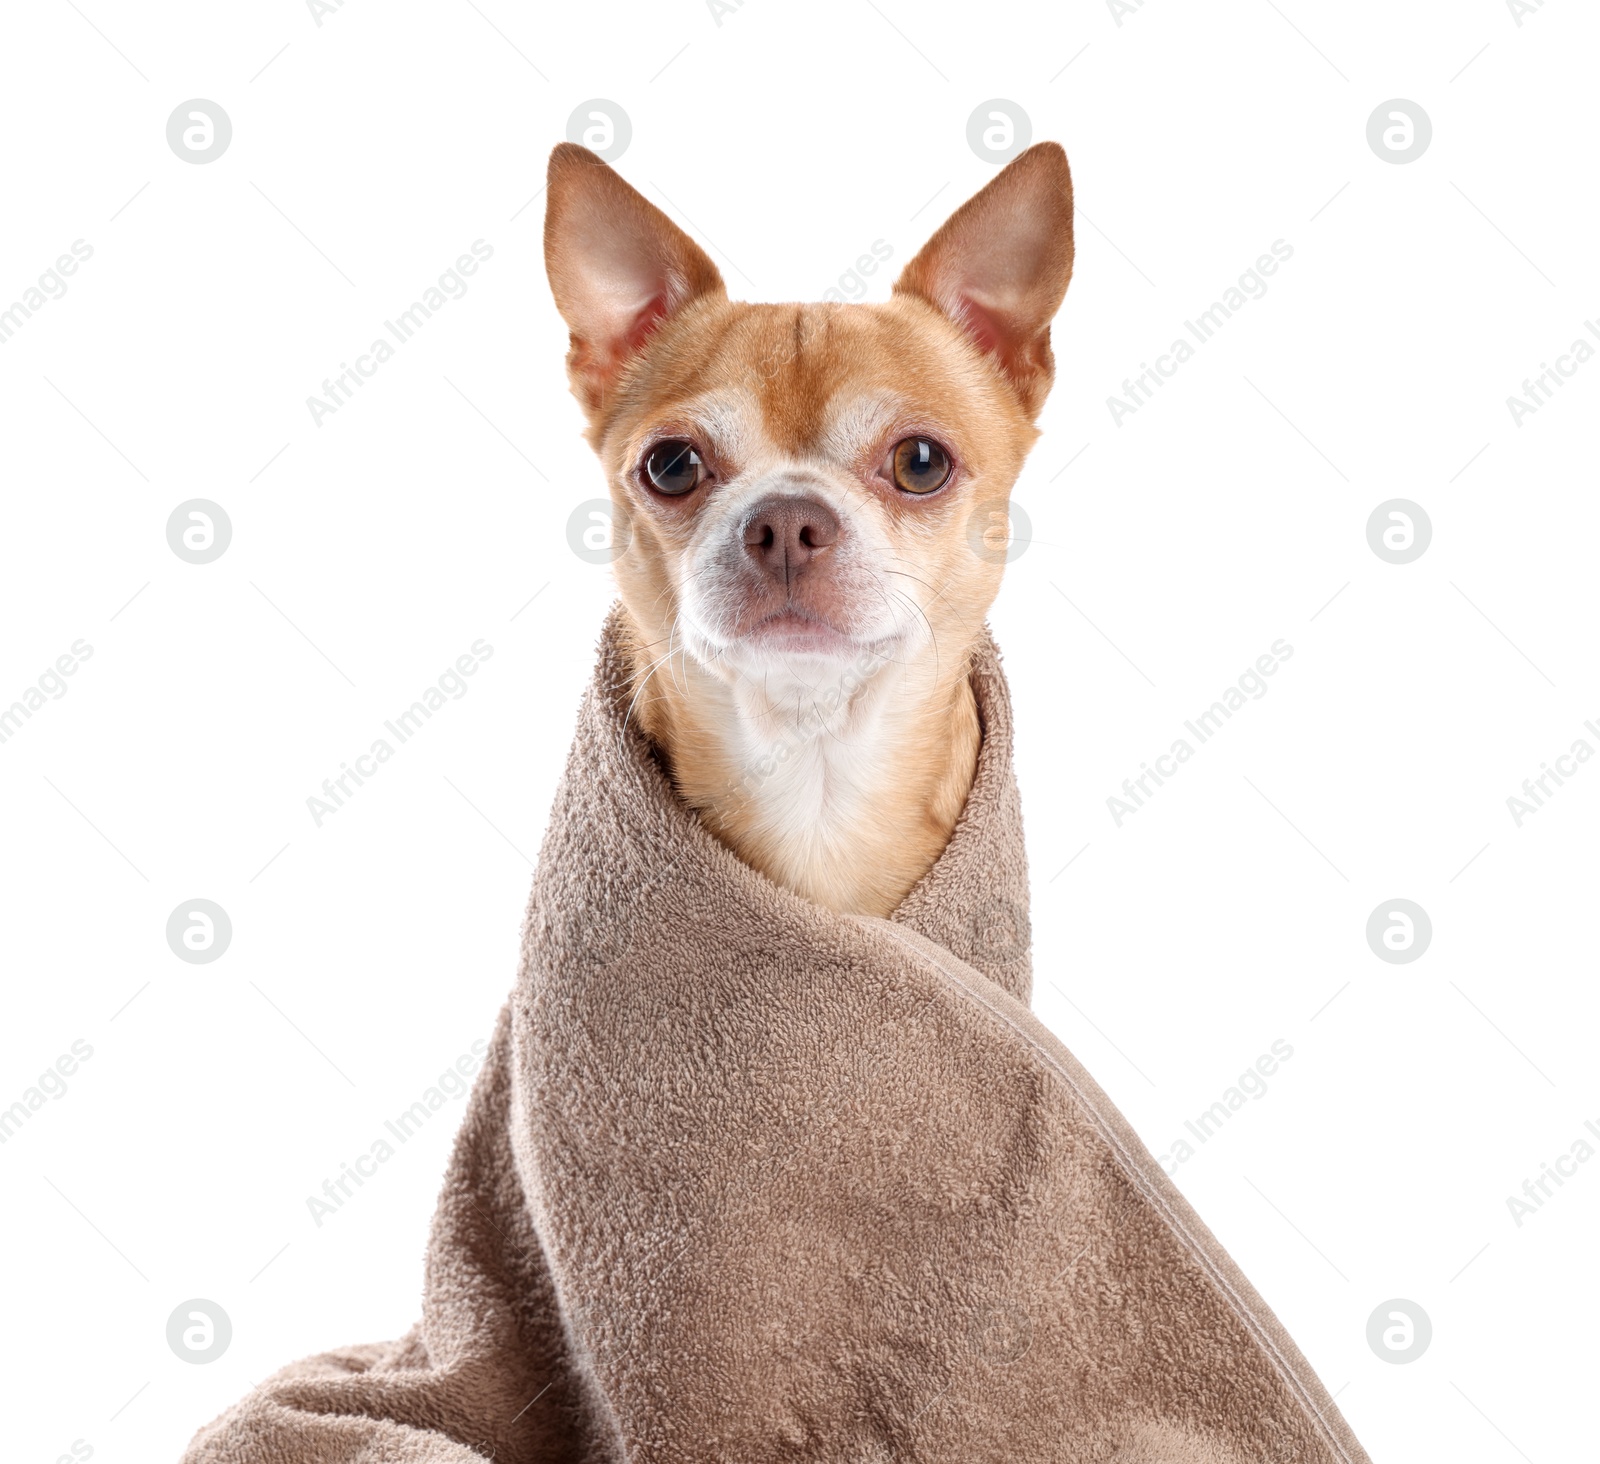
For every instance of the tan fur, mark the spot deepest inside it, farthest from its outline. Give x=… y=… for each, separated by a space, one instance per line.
x=809 y=399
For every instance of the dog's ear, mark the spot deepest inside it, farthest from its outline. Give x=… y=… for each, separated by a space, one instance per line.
x=999 y=267
x=618 y=267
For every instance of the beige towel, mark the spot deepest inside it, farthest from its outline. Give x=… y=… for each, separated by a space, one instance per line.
x=747 y=1180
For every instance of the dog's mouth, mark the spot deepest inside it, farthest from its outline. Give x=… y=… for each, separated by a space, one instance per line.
x=772 y=637
x=800 y=631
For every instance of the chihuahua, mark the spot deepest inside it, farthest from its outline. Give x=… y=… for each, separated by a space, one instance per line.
x=810 y=495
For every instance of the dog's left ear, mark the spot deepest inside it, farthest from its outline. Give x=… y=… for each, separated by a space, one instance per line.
x=999 y=267
x=618 y=268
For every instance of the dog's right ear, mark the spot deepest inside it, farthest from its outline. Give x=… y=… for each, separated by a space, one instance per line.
x=618 y=267
x=999 y=266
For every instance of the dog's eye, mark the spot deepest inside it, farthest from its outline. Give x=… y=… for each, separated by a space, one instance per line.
x=920 y=465
x=674 y=467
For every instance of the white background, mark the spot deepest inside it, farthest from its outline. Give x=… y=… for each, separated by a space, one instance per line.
x=369 y=552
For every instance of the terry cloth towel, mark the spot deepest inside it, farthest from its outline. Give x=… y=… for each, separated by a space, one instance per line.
x=745 y=1180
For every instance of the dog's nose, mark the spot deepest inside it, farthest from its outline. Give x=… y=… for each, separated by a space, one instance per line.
x=784 y=532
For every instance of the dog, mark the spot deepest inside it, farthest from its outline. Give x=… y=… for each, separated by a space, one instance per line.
x=809 y=494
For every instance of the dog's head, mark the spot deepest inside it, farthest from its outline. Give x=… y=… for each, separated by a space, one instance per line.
x=810 y=484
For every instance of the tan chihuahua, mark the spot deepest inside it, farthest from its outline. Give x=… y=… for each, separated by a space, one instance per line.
x=809 y=492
